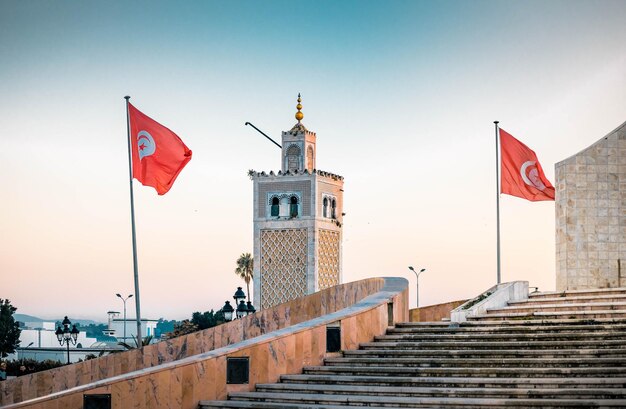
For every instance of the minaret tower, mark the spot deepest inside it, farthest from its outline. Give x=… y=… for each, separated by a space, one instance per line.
x=297 y=223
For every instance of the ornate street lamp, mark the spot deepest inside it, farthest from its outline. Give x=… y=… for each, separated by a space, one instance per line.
x=242 y=309
x=417 y=292
x=239 y=296
x=251 y=309
x=124 y=301
x=65 y=335
x=228 y=310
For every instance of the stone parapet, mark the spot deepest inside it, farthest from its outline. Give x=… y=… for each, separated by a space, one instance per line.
x=117 y=366
x=496 y=297
x=431 y=313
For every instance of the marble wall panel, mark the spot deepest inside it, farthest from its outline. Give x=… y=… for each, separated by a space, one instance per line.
x=175 y=386
x=284 y=315
x=434 y=312
x=183 y=385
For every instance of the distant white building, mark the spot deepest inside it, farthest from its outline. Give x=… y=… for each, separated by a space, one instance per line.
x=117 y=327
x=38 y=341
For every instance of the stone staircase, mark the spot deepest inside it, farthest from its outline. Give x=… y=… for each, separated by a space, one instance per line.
x=555 y=350
x=581 y=304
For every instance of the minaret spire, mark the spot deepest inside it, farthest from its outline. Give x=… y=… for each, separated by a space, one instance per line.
x=299 y=115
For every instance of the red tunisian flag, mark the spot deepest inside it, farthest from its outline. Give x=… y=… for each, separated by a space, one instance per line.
x=521 y=174
x=158 y=153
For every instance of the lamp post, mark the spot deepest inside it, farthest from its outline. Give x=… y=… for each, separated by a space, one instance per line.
x=124 y=301
x=239 y=295
x=65 y=335
x=228 y=309
x=242 y=309
x=417 y=285
x=251 y=309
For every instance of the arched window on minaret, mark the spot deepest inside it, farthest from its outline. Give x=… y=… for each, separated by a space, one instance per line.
x=293 y=211
x=275 y=207
x=333 y=213
x=325 y=212
x=293 y=158
x=309 y=159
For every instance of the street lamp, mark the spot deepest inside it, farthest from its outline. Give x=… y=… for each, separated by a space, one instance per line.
x=242 y=309
x=239 y=296
x=251 y=309
x=228 y=309
x=124 y=301
x=417 y=285
x=65 y=335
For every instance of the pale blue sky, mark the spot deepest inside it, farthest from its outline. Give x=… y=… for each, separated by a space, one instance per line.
x=402 y=96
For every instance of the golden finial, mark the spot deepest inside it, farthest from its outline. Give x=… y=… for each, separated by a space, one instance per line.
x=299 y=115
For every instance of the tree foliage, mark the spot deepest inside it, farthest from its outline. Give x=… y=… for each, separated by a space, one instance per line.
x=183 y=328
x=164 y=326
x=207 y=319
x=9 y=329
x=198 y=322
x=27 y=366
x=245 y=269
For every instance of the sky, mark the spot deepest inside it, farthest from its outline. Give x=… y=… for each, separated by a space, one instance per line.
x=402 y=96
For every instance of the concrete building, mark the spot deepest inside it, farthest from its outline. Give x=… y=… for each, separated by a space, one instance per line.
x=591 y=216
x=38 y=341
x=117 y=325
x=297 y=223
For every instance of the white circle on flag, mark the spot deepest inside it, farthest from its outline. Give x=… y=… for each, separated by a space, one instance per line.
x=145 y=144
x=530 y=175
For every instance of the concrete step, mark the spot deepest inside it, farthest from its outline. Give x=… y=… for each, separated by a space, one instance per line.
x=571 y=299
x=577 y=293
x=540 y=321
x=515 y=372
x=504 y=359
x=483 y=362
x=550 y=315
x=516 y=336
x=557 y=307
x=450 y=392
x=478 y=344
x=302 y=400
x=489 y=353
x=457 y=382
x=514 y=325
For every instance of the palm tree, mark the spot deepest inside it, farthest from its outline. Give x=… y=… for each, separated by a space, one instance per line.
x=245 y=269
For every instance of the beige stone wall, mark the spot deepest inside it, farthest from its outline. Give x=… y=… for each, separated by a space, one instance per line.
x=435 y=312
x=183 y=383
x=591 y=216
x=282 y=316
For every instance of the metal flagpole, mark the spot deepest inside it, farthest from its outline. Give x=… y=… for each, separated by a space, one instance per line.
x=497 y=198
x=132 y=218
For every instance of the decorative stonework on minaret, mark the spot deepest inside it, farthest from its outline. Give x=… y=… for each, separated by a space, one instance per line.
x=297 y=223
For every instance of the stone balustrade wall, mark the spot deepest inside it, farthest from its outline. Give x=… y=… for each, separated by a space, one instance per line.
x=262 y=322
x=435 y=312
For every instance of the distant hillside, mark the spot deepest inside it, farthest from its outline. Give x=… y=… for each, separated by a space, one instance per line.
x=30 y=318
x=26 y=318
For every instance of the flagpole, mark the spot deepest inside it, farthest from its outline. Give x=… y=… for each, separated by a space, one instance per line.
x=132 y=219
x=497 y=201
